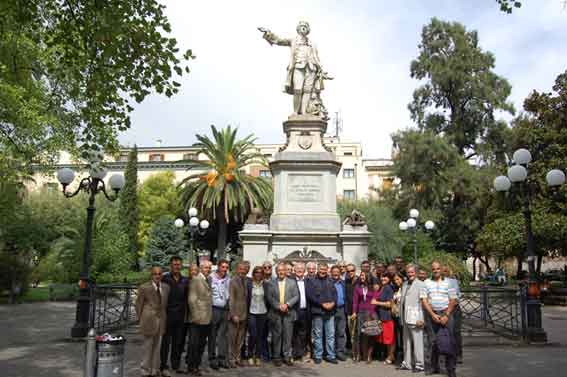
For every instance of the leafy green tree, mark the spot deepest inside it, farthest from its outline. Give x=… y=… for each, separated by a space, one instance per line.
x=71 y=70
x=226 y=193
x=158 y=197
x=508 y=6
x=461 y=93
x=129 y=205
x=165 y=240
x=386 y=240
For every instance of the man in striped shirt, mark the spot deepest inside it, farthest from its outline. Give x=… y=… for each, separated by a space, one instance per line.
x=438 y=298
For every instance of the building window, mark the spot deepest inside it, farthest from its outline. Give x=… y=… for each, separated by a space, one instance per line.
x=156 y=157
x=348 y=173
x=123 y=157
x=348 y=194
x=190 y=156
x=265 y=173
x=348 y=153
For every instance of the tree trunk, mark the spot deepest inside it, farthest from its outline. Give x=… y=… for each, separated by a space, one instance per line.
x=539 y=263
x=474 y=268
x=221 y=232
x=486 y=264
x=519 y=260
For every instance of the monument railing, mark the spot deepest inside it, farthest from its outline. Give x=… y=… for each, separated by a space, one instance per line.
x=499 y=310
x=114 y=306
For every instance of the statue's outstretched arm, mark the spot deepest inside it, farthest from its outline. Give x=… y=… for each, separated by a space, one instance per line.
x=274 y=39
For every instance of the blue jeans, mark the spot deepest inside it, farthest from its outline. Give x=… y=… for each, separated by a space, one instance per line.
x=328 y=323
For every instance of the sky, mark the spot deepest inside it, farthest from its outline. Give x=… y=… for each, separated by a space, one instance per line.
x=367 y=46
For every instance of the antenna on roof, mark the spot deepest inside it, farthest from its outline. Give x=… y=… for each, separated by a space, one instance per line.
x=338 y=124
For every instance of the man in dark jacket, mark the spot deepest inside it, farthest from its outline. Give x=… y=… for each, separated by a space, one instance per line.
x=322 y=297
x=176 y=307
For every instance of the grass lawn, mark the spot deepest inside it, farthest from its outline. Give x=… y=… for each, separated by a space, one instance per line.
x=59 y=292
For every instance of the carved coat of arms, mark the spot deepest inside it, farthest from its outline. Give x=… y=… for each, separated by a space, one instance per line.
x=305 y=140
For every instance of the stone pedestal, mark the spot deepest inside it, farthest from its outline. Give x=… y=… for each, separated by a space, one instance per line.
x=305 y=224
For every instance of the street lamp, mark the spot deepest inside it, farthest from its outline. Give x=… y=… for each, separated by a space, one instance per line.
x=93 y=184
x=518 y=174
x=412 y=225
x=195 y=226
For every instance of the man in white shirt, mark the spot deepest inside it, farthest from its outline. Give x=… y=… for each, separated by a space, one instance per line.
x=438 y=299
x=301 y=328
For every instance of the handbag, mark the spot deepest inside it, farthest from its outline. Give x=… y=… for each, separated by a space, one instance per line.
x=445 y=342
x=372 y=327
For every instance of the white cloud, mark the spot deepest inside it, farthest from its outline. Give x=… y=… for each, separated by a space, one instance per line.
x=366 y=45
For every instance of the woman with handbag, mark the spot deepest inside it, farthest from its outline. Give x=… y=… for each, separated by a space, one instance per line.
x=383 y=302
x=365 y=312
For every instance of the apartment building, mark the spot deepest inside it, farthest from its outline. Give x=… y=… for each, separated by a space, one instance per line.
x=359 y=177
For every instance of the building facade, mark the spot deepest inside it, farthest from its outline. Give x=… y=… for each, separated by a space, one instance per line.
x=359 y=177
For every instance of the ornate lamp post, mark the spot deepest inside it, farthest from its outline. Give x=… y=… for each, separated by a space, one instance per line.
x=518 y=174
x=195 y=227
x=412 y=225
x=93 y=184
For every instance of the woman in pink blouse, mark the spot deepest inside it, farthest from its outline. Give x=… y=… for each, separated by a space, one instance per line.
x=363 y=310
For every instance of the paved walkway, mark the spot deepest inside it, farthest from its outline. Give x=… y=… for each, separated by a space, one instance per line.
x=34 y=342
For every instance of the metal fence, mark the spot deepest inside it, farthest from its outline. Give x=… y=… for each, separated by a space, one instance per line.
x=501 y=310
x=114 y=306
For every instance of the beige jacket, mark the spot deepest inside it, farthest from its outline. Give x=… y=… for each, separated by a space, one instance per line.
x=151 y=313
x=200 y=301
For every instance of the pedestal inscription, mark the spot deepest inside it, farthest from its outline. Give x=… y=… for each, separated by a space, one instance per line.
x=303 y=188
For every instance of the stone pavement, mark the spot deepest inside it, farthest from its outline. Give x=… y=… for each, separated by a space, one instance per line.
x=34 y=342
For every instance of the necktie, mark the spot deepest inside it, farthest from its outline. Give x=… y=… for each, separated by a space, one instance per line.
x=159 y=293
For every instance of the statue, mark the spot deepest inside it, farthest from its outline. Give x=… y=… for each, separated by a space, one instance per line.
x=256 y=217
x=355 y=219
x=305 y=75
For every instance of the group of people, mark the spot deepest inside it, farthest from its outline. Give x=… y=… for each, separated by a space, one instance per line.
x=305 y=313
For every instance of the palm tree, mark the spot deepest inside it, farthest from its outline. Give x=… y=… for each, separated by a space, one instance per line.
x=225 y=192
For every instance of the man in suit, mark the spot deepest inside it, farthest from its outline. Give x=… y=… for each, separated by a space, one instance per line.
x=175 y=324
x=151 y=311
x=238 y=309
x=200 y=300
x=282 y=297
x=411 y=316
x=302 y=325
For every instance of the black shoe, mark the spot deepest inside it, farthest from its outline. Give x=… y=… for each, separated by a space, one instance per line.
x=417 y=370
x=332 y=361
x=341 y=358
x=317 y=361
x=214 y=365
x=224 y=365
x=402 y=367
x=278 y=363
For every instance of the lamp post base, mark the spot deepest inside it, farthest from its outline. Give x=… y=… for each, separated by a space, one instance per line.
x=81 y=327
x=535 y=331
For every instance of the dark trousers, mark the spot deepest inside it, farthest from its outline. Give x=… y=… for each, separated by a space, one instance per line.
x=458 y=321
x=430 y=350
x=301 y=330
x=256 y=328
x=174 y=339
x=266 y=348
x=340 y=331
x=198 y=335
x=218 y=337
x=399 y=333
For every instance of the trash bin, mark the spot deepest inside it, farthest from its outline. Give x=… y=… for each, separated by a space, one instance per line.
x=110 y=357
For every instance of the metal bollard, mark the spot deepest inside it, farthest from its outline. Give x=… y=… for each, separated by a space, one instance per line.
x=90 y=354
